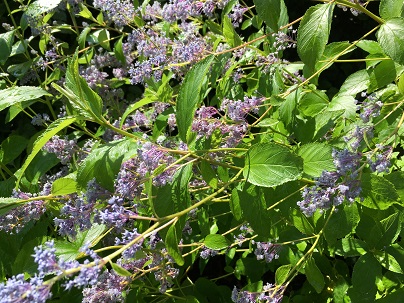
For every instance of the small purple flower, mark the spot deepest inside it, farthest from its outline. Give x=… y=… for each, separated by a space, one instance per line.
x=266 y=251
x=206 y=253
x=62 y=148
x=17 y=289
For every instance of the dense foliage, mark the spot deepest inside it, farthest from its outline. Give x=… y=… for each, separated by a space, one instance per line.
x=201 y=151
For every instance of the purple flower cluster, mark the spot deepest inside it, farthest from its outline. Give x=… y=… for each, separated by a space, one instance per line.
x=237 y=110
x=333 y=188
x=205 y=124
x=354 y=11
x=115 y=214
x=165 y=272
x=121 y=12
x=17 y=289
x=75 y=215
x=40 y=119
x=62 y=148
x=206 y=253
x=131 y=177
x=17 y=218
x=127 y=237
x=380 y=162
x=236 y=14
x=110 y=287
x=266 y=251
x=370 y=107
x=269 y=294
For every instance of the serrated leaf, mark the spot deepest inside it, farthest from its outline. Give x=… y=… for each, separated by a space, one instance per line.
x=381 y=75
x=355 y=83
x=351 y=247
x=388 y=261
x=390 y=8
x=316 y=158
x=69 y=251
x=341 y=223
x=313 y=103
x=120 y=270
x=7 y=204
x=189 y=96
x=118 y=51
x=232 y=38
x=79 y=93
x=208 y=174
x=314 y=275
x=282 y=273
x=6 y=42
x=391 y=38
x=313 y=32
x=269 y=165
x=251 y=205
x=378 y=192
x=273 y=12
x=52 y=130
x=364 y=276
x=171 y=241
x=344 y=103
x=17 y=94
x=216 y=242
x=64 y=186
x=370 y=46
x=103 y=163
x=11 y=148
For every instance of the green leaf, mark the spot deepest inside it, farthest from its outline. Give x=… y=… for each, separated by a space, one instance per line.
x=103 y=163
x=378 y=192
x=7 y=204
x=102 y=37
x=174 y=197
x=301 y=223
x=316 y=158
x=313 y=103
x=81 y=96
x=400 y=84
x=391 y=38
x=364 y=276
x=171 y=242
x=64 y=186
x=355 y=83
x=390 y=8
x=6 y=42
x=118 y=51
x=282 y=273
x=351 y=247
x=381 y=75
x=313 y=32
x=216 y=242
x=235 y=206
x=208 y=174
x=388 y=261
x=120 y=270
x=52 y=130
x=232 y=38
x=269 y=164
x=250 y=201
x=344 y=103
x=331 y=51
x=397 y=178
x=17 y=94
x=11 y=148
x=341 y=223
x=273 y=12
x=70 y=250
x=391 y=228
x=189 y=96
x=370 y=46
x=314 y=275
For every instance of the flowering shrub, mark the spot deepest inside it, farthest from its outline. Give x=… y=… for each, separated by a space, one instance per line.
x=201 y=151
